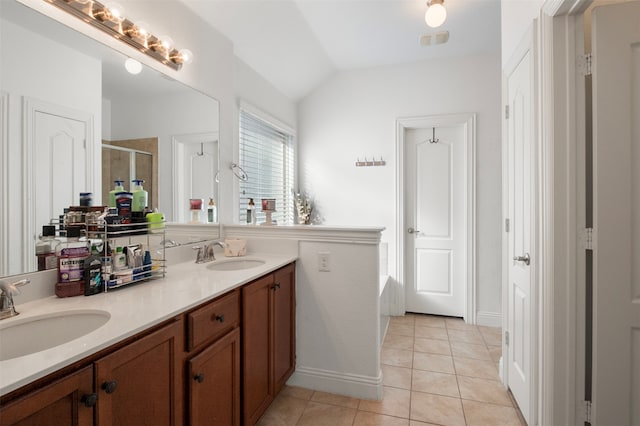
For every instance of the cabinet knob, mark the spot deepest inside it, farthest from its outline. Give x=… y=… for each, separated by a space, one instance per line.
x=219 y=318
x=110 y=387
x=199 y=377
x=89 y=400
x=275 y=286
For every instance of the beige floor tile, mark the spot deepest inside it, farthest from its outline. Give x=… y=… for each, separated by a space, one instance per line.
x=491 y=335
x=483 y=414
x=470 y=350
x=495 y=352
x=405 y=319
x=333 y=399
x=396 y=377
x=458 y=324
x=432 y=346
x=400 y=329
x=476 y=368
x=297 y=392
x=372 y=419
x=436 y=383
x=469 y=336
x=395 y=403
x=397 y=357
x=416 y=423
x=438 y=409
x=431 y=332
x=483 y=390
x=317 y=414
x=398 y=342
x=284 y=411
x=433 y=362
x=429 y=321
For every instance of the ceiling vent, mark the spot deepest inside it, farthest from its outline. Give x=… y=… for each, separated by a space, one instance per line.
x=432 y=39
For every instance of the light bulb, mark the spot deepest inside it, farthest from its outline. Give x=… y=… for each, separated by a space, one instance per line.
x=186 y=56
x=142 y=30
x=165 y=43
x=436 y=15
x=134 y=67
x=115 y=12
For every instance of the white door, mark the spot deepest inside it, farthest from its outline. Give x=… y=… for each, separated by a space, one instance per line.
x=436 y=261
x=520 y=189
x=616 y=180
x=60 y=167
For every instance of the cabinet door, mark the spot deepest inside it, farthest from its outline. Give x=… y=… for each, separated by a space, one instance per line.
x=214 y=383
x=256 y=351
x=141 y=383
x=284 y=323
x=68 y=401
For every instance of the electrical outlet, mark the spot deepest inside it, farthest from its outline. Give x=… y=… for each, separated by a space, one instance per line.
x=324 y=261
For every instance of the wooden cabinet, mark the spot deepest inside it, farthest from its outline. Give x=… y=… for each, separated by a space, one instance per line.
x=222 y=363
x=213 y=374
x=214 y=388
x=67 y=401
x=268 y=339
x=141 y=383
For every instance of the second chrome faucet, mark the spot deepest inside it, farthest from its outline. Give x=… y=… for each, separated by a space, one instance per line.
x=205 y=253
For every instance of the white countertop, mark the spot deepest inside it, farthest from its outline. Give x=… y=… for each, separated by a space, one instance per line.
x=132 y=309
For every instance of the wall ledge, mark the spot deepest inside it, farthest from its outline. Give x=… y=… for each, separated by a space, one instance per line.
x=344 y=234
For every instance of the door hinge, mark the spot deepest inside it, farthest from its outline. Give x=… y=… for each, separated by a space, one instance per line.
x=507 y=225
x=586 y=411
x=583 y=64
x=506 y=112
x=506 y=337
x=588 y=239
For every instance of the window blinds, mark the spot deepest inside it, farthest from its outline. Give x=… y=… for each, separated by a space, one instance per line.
x=266 y=155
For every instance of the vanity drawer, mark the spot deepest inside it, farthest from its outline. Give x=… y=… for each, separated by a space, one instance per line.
x=213 y=319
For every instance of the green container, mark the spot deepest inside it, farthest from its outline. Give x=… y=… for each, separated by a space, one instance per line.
x=140 y=196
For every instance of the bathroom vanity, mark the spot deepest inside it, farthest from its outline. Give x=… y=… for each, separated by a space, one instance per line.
x=198 y=348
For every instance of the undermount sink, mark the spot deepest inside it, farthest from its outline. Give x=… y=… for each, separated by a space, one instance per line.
x=35 y=334
x=235 y=264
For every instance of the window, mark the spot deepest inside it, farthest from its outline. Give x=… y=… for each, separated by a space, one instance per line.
x=267 y=157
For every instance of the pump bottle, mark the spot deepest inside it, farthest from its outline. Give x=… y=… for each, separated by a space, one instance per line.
x=114 y=191
x=140 y=196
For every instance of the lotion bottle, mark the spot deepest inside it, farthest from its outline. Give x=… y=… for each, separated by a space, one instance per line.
x=140 y=196
x=251 y=212
x=113 y=192
x=212 y=212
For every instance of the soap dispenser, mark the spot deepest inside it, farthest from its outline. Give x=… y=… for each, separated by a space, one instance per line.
x=140 y=196
x=212 y=212
x=114 y=191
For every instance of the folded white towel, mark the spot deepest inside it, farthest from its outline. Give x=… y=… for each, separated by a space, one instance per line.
x=234 y=247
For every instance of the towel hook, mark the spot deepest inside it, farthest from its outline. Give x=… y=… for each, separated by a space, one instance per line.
x=434 y=140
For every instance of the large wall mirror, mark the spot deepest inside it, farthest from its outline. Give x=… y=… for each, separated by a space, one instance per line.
x=73 y=120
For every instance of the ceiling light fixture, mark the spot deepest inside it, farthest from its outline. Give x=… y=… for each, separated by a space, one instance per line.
x=109 y=18
x=133 y=67
x=436 y=13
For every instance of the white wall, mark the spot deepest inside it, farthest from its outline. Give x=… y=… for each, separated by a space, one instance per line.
x=353 y=115
x=516 y=17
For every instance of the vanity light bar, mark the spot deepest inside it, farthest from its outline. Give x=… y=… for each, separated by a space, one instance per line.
x=111 y=22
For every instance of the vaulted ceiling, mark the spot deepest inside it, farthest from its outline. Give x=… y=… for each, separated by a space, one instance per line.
x=297 y=44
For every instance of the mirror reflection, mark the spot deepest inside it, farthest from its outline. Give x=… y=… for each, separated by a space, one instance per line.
x=74 y=120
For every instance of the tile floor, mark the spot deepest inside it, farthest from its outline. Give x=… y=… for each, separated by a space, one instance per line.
x=437 y=371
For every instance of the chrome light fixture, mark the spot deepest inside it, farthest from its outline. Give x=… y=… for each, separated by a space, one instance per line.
x=109 y=18
x=436 y=13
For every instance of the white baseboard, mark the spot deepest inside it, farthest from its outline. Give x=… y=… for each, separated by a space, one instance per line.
x=489 y=319
x=363 y=387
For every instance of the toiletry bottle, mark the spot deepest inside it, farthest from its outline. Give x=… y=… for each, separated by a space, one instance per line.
x=71 y=255
x=140 y=196
x=212 y=212
x=114 y=191
x=251 y=212
x=46 y=248
x=119 y=261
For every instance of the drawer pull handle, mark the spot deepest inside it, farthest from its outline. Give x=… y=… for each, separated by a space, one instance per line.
x=89 y=400
x=199 y=378
x=220 y=318
x=110 y=387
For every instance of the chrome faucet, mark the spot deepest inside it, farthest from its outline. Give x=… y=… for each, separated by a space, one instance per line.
x=7 y=291
x=205 y=253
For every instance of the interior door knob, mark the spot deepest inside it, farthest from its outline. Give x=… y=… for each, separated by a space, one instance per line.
x=413 y=231
x=526 y=259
